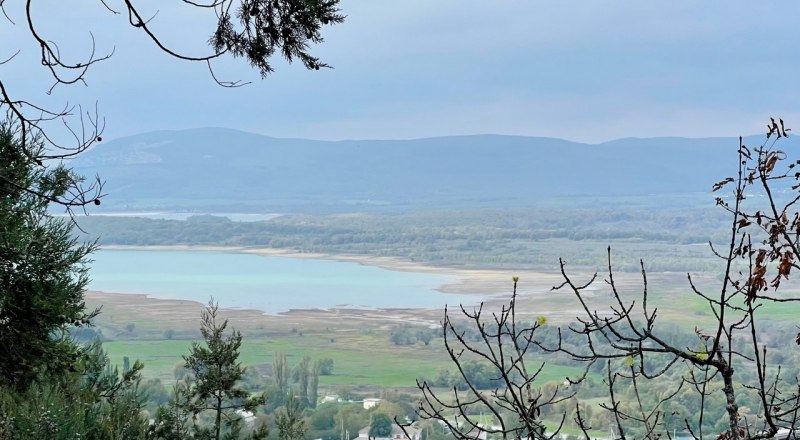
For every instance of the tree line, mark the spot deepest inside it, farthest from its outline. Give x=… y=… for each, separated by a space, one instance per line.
x=499 y=239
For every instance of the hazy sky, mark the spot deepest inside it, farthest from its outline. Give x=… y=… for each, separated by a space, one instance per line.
x=588 y=71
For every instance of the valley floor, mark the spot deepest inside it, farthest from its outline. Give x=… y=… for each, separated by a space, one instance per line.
x=159 y=331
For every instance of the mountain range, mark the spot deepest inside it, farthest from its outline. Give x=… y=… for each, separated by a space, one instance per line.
x=225 y=170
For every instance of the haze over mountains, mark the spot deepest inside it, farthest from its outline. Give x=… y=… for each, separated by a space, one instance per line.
x=217 y=169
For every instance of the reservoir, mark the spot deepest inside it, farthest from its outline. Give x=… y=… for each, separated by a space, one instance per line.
x=272 y=284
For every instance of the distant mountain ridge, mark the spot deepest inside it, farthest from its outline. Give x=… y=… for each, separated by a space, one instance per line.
x=223 y=169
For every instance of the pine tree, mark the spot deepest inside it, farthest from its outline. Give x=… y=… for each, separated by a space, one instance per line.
x=43 y=272
x=94 y=401
x=216 y=371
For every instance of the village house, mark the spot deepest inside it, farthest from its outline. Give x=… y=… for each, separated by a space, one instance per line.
x=371 y=403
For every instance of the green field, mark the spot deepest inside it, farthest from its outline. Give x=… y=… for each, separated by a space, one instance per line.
x=359 y=359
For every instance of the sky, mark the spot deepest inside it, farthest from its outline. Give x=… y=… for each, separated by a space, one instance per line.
x=587 y=71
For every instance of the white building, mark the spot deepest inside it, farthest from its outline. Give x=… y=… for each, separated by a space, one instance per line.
x=371 y=403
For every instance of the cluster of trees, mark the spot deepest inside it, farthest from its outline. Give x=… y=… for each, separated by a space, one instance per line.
x=299 y=384
x=406 y=334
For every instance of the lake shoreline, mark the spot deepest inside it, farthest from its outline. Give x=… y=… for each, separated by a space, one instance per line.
x=484 y=282
x=491 y=286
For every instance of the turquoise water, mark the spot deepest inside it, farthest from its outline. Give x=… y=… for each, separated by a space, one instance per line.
x=270 y=284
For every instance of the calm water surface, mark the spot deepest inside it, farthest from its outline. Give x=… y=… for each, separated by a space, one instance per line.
x=270 y=284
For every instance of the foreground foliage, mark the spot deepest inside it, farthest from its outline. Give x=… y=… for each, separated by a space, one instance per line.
x=94 y=401
x=43 y=269
x=50 y=386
